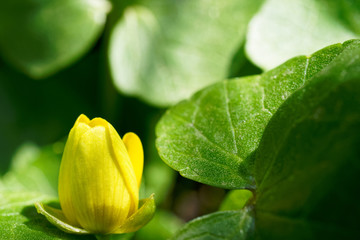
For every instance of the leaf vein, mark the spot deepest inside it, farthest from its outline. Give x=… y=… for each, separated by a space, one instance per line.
x=229 y=117
x=231 y=155
x=200 y=158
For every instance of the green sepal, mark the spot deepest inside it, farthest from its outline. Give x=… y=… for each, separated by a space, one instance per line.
x=136 y=221
x=57 y=218
x=141 y=217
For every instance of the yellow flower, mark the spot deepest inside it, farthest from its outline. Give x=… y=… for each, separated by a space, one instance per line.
x=99 y=181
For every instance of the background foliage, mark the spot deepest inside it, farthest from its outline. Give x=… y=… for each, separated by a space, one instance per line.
x=287 y=132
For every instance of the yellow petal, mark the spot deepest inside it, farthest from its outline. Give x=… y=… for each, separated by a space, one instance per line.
x=66 y=174
x=134 y=147
x=125 y=167
x=101 y=195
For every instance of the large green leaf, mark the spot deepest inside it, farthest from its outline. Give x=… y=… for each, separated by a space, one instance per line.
x=41 y=37
x=229 y=225
x=284 y=29
x=308 y=161
x=19 y=219
x=163 y=51
x=211 y=138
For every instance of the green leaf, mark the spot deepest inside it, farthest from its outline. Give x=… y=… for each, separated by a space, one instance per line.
x=163 y=51
x=284 y=29
x=236 y=199
x=212 y=137
x=307 y=165
x=229 y=225
x=41 y=37
x=35 y=169
x=19 y=219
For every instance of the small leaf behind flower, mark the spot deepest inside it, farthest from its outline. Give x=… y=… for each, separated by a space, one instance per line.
x=236 y=199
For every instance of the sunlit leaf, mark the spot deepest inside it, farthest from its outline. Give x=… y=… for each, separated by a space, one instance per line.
x=212 y=137
x=284 y=29
x=163 y=51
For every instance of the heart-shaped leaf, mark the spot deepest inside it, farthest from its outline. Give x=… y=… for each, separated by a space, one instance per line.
x=212 y=137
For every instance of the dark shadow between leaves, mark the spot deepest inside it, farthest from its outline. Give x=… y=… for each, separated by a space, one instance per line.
x=37 y=222
x=240 y=65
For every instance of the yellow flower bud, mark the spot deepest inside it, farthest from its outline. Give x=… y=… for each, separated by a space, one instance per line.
x=99 y=180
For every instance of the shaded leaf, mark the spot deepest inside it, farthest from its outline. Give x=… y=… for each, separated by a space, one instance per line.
x=163 y=51
x=307 y=165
